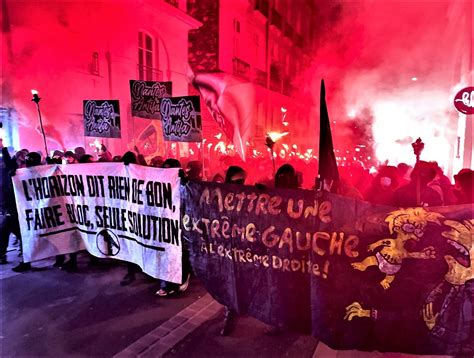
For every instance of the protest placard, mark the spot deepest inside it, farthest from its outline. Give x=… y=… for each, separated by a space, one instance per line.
x=146 y=97
x=101 y=118
x=181 y=117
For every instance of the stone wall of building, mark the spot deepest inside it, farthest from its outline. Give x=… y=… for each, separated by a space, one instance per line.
x=204 y=42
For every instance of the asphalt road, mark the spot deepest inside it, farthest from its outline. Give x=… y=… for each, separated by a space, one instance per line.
x=47 y=312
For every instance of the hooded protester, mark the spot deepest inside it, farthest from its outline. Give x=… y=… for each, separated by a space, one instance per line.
x=12 y=225
x=383 y=186
x=79 y=152
x=132 y=269
x=70 y=157
x=194 y=170
x=464 y=183
x=71 y=264
x=234 y=175
x=157 y=161
x=286 y=177
x=168 y=288
x=417 y=192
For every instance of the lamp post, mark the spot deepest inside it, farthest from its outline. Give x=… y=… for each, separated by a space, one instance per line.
x=418 y=147
x=36 y=98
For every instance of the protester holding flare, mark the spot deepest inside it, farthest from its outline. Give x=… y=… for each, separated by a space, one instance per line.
x=418 y=192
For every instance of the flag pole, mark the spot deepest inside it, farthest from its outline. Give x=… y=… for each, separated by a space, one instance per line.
x=327 y=170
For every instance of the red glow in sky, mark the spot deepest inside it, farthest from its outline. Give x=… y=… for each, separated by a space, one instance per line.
x=390 y=66
x=401 y=62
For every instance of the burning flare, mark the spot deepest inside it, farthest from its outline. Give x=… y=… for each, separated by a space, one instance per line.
x=274 y=136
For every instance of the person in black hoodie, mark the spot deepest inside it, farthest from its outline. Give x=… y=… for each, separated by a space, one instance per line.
x=7 y=203
x=417 y=192
x=10 y=223
x=132 y=269
x=234 y=175
x=169 y=288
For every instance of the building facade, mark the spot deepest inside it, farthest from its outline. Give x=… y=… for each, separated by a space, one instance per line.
x=73 y=51
x=265 y=42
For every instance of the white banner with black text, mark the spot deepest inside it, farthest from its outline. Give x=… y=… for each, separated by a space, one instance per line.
x=127 y=212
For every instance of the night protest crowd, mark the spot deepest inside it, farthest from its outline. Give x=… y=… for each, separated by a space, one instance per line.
x=397 y=186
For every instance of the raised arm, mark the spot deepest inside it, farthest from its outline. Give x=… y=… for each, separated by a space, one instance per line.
x=10 y=163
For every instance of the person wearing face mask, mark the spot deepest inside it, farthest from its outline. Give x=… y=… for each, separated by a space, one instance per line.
x=383 y=186
x=194 y=170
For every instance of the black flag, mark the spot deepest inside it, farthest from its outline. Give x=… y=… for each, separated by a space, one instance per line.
x=327 y=172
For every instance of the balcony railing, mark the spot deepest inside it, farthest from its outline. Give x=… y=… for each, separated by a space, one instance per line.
x=299 y=41
x=146 y=73
x=241 y=68
x=175 y=3
x=275 y=84
x=262 y=6
x=276 y=19
x=287 y=87
x=260 y=77
x=289 y=32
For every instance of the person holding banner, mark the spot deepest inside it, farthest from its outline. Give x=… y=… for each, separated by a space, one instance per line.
x=86 y=158
x=234 y=175
x=286 y=177
x=71 y=264
x=70 y=157
x=132 y=269
x=8 y=215
x=12 y=224
x=168 y=288
x=104 y=155
x=464 y=184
